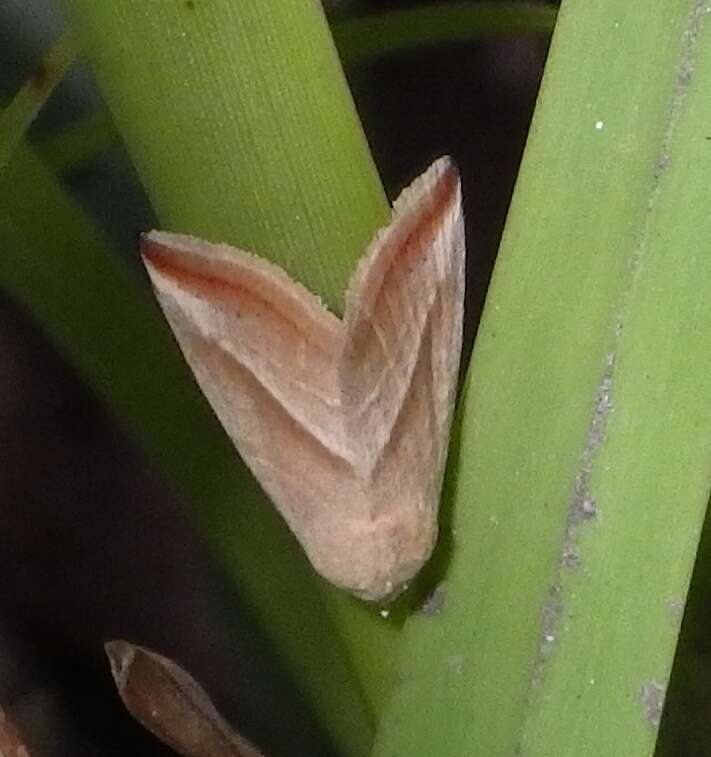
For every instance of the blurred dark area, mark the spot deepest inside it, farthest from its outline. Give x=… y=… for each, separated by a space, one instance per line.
x=93 y=544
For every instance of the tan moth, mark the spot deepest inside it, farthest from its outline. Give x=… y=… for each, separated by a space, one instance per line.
x=344 y=422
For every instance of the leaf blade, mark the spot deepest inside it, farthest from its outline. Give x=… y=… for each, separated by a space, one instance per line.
x=556 y=635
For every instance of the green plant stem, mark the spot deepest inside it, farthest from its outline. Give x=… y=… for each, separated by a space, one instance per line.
x=360 y=39
x=17 y=117
x=240 y=124
x=363 y=39
x=94 y=309
x=583 y=474
x=77 y=143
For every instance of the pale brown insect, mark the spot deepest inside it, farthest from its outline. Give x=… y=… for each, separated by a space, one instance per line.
x=345 y=423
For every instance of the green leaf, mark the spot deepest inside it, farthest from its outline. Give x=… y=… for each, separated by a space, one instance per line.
x=365 y=38
x=583 y=474
x=16 y=119
x=240 y=123
x=241 y=127
x=97 y=313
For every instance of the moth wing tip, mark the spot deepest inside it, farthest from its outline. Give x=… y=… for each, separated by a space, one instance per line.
x=445 y=164
x=166 y=253
x=442 y=175
x=154 y=241
x=445 y=170
x=149 y=244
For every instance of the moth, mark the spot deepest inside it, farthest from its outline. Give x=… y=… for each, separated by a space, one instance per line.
x=344 y=422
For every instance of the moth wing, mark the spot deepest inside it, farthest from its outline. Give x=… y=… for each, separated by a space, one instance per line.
x=344 y=424
x=265 y=354
x=240 y=320
x=404 y=313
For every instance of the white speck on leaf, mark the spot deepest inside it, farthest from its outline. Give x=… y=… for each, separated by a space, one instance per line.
x=653 y=694
x=434 y=604
x=456 y=663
